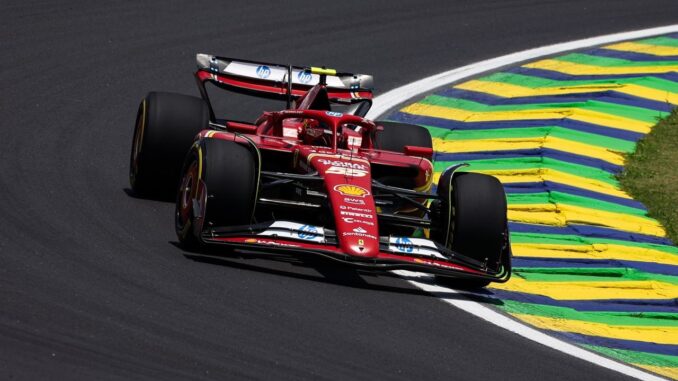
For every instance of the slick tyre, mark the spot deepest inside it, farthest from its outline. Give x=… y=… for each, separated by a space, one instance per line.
x=165 y=127
x=396 y=136
x=218 y=188
x=473 y=221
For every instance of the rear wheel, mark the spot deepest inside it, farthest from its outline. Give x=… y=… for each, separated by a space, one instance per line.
x=472 y=221
x=165 y=127
x=219 y=180
x=396 y=136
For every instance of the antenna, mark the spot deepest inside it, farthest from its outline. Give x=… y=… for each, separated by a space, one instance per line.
x=289 y=87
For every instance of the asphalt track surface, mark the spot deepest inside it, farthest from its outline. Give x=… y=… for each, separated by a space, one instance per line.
x=92 y=285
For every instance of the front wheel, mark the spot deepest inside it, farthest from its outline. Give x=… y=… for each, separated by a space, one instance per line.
x=218 y=188
x=472 y=221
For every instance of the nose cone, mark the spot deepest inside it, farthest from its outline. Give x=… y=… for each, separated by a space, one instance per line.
x=356 y=221
x=348 y=184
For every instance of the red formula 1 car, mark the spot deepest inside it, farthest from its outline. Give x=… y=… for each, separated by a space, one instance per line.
x=316 y=178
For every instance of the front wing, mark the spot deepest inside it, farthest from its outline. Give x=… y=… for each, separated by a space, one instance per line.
x=396 y=253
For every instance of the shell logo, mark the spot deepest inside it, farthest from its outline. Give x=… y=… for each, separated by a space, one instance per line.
x=351 y=190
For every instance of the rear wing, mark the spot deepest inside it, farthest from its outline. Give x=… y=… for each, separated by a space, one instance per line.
x=272 y=80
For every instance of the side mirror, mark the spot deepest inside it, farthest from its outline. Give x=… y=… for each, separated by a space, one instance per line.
x=424 y=152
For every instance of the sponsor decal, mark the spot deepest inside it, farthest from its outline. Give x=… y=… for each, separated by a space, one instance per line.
x=346 y=171
x=307 y=232
x=351 y=190
x=359 y=230
x=263 y=71
x=356 y=201
x=275 y=243
x=351 y=220
x=350 y=234
x=417 y=246
x=404 y=245
x=353 y=214
x=334 y=114
x=345 y=164
x=294 y=230
x=359 y=210
x=304 y=76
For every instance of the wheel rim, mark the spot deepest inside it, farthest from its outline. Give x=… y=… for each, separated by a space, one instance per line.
x=187 y=192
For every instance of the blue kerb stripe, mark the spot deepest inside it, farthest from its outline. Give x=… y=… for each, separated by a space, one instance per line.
x=537 y=152
x=565 y=123
x=611 y=305
x=609 y=96
x=629 y=56
x=588 y=231
x=557 y=76
x=649 y=267
x=639 y=346
x=549 y=186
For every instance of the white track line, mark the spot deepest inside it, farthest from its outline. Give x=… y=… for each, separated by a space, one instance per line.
x=390 y=99
x=400 y=95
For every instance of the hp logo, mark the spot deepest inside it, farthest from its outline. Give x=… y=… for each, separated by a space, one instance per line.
x=263 y=71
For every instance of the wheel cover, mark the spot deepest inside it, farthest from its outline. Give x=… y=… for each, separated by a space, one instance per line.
x=137 y=142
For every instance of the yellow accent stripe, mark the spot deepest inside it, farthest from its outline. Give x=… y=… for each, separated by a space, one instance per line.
x=581 y=69
x=199 y=163
x=564 y=214
x=593 y=251
x=539 y=175
x=635 y=47
x=591 y=290
x=507 y=90
x=321 y=71
x=510 y=144
x=650 y=334
x=573 y=113
x=667 y=371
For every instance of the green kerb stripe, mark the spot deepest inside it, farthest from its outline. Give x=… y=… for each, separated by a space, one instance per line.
x=660 y=41
x=569 y=199
x=612 y=144
x=665 y=319
x=636 y=357
x=577 y=274
x=532 y=163
x=563 y=239
x=631 y=112
x=586 y=59
x=595 y=85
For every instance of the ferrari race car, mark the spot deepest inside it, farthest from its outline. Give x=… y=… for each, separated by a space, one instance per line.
x=316 y=178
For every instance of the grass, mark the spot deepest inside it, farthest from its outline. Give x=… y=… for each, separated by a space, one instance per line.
x=651 y=173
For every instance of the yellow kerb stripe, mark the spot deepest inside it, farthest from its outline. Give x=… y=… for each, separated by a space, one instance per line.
x=667 y=371
x=506 y=90
x=511 y=144
x=651 y=334
x=573 y=113
x=593 y=251
x=563 y=215
x=539 y=175
x=636 y=47
x=592 y=290
x=581 y=69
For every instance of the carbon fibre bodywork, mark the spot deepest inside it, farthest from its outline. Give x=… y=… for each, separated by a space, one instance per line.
x=325 y=187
